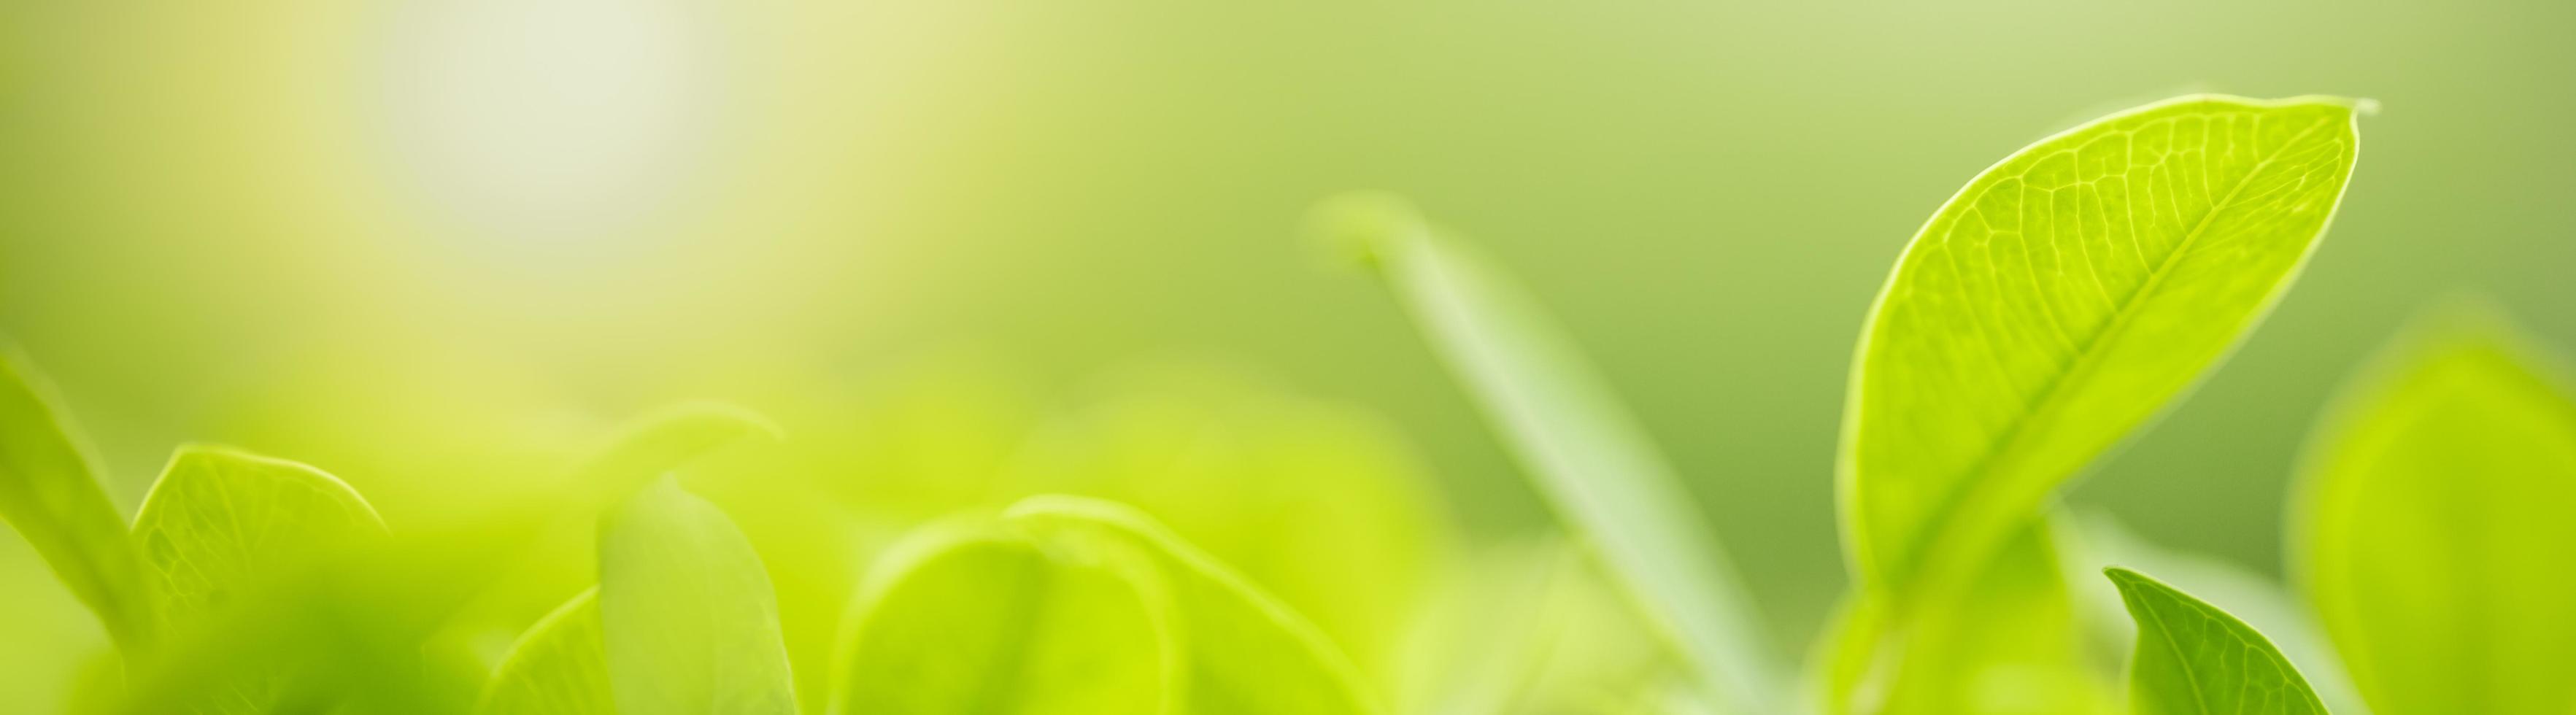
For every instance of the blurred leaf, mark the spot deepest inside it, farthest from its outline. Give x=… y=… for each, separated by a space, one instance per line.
x=2007 y=641
x=558 y=667
x=2437 y=544
x=220 y=523
x=1580 y=446
x=1248 y=654
x=2193 y=659
x=48 y=493
x=2059 y=301
x=2258 y=599
x=1533 y=628
x=960 y=620
x=686 y=613
x=220 y=526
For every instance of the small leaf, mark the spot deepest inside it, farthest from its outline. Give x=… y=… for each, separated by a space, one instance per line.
x=1580 y=446
x=654 y=444
x=49 y=494
x=2436 y=543
x=2259 y=600
x=2062 y=299
x=687 y=617
x=2193 y=659
x=558 y=667
x=962 y=620
x=1248 y=653
x=220 y=524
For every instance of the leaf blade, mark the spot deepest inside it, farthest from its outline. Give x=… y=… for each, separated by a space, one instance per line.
x=1576 y=441
x=49 y=494
x=2432 y=538
x=2194 y=659
x=2018 y=339
x=687 y=617
x=558 y=667
x=1248 y=653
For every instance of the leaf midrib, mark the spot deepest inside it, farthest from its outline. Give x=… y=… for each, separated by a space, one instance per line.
x=2087 y=359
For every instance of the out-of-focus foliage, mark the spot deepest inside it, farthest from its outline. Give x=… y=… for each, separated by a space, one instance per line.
x=2435 y=538
x=1577 y=441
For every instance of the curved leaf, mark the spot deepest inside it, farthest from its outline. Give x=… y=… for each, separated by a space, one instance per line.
x=221 y=526
x=972 y=621
x=687 y=618
x=1247 y=653
x=220 y=523
x=2259 y=600
x=558 y=667
x=652 y=445
x=2062 y=299
x=1581 y=447
x=48 y=493
x=2003 y=642
x=2193 y=659
x=2436 y=543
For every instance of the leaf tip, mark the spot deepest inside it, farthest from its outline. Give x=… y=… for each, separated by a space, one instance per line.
x=1355 y=228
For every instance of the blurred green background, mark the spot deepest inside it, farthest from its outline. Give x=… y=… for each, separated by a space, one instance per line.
x=428 y=245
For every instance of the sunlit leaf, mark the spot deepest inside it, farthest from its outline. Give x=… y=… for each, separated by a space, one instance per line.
x=961 y=620
x=2194 y=659
x=652 y=445
x=2060 y=300
x=2005 y=641
x=559 y=667
x=1579 y=444
x=49 y=495
x=687 y=618
x=2096 y=540
x=2437 y=544
x=220 y=522
x=1247 y=653
x=1533 y=628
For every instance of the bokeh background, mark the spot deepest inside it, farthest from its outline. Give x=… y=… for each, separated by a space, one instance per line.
x=437 y=246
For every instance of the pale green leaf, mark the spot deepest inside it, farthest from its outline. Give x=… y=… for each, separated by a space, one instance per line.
x=49 y=495
x=221 y=527
x=654 y=444
x=2193 y=659
x=558 y=667
x=1579 y=444
x=221 y=524
x=2003 y=642
x=687 y=617
x=2096 y=540
x=2436 y=543
x=966 y=620
x=1248 y=654
x=2061 y=300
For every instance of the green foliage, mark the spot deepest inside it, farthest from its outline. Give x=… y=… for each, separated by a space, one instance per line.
x=558 y=667
x=2062 y=298
x=1577 y=442
x=980 y=620
x=1246 y=652
x=687 y=618
x=48 y=494
x=2194 y=659
x=2435 y=541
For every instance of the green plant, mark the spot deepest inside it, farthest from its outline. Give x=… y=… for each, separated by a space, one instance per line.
x=2047 y=312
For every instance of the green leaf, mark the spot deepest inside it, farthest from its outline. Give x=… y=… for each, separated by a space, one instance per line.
x=48 y=493
x=2258 y=599
x=2061 y=300
x=2435 y=541
x=222 y=528
x=965 y=620
x=1248 y=654
x=2004 y=642
x=558 y=667
x=687 y=617
x=221 y=524
x=1580 y=446
x=2193 y=659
